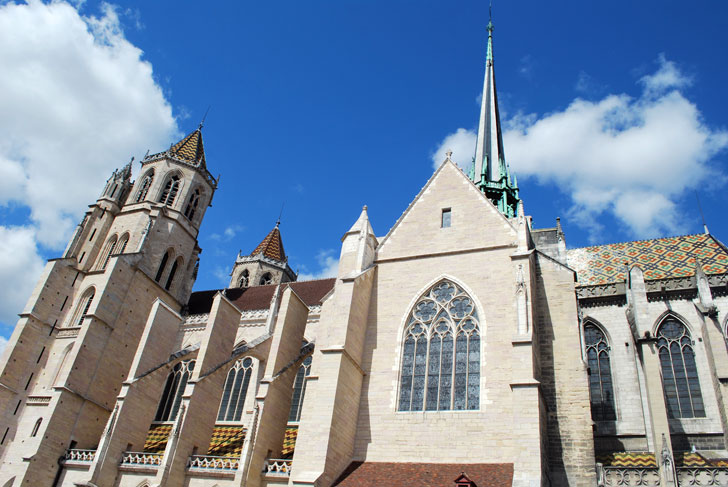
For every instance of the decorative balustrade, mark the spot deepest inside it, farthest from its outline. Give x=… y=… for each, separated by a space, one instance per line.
x=209 y=462
x=717 y=476
x=279 y=467
x=630 y=476
x=143 y=459
x=79 y=456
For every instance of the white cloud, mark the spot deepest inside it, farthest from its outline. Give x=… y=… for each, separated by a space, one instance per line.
x=227 y=234
x=631 y=157
x=328 y=266
x=462 y=145
x=3 y=344
x=78 y=101
x=20 y=266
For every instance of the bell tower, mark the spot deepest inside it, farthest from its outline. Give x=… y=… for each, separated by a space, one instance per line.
x=74 y=343
x=267 y=264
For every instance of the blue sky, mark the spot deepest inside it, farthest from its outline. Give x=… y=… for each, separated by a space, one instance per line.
x=615 y=114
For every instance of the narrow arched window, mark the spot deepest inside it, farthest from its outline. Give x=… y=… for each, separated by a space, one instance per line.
x=121 y=246
x=162 y=266
x=173 y=390
x=192 y=204
x=172 y=272
x=169 y=193
x=266 y=278
x=106 y=253
x=82 y=308
x=679 y=372
x=36 y=427
x=441 y=353
x=601 y=390
x=299 y=390
x=144 y=186
x=244 y=278
x=236 y=389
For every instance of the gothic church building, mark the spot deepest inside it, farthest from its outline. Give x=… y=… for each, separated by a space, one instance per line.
x=438 y=356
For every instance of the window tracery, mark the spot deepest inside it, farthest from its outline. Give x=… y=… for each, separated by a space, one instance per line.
x=192 y=204
x=441 y=354
x=299 y=390
x=144 y=186
x=679 y=371
x=84 y=304
x=169 y=193
x=601 y=390
x=267 y=278
x=106 y=254
x=173 y=389
x=235 y=391
x=244 y=278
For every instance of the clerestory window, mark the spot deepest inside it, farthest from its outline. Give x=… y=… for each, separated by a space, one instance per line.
x=679 y=371
x=236 y=389
x=173 y=390
x=299 y=390
x=441 y=354
x=601 y=391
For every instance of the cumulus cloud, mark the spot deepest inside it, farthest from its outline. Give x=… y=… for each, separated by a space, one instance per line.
x=78 y=100
x=328 y=266
x=462 y=145
x=228 y=234
x=20 y=266
x=632 y=157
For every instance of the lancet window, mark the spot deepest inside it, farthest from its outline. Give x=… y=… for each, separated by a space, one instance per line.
x=266 y=278
x=192 y=204
x=84 y=304
x=106 y=253
x=162 y=266
x=679 y=371
x=441 y=354
x=236 y=390
x=299 y=390
x=121 y=246
x=144 y=186
x=169 y=193
x=244 y=278
x=173 y=390
x=172 y=272
x=601 y=390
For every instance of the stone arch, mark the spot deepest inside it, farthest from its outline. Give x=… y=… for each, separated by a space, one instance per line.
x=171 y=187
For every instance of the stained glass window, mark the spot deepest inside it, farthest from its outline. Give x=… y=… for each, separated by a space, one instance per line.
x=299 y=390
x=601 y=391
x=441 y=353
x=679 y=372
x=235 y=391
x=173 y=390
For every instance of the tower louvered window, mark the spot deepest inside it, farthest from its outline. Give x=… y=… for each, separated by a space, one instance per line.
x=144 y=186
x=299 y=390
x=244 y=278
x=169 y=193
x=173 y=390
x=162 y=266
x=601 y=391
x=236 y=389
x=172 y=272
x=441 y=354
x=679 y=371
x=191 y=208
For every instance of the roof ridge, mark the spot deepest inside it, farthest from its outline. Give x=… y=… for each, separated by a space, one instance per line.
x=642 y=240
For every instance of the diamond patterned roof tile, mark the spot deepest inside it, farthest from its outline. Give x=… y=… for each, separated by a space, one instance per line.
x=271 y=246
x=659 y=258
x=190 y=148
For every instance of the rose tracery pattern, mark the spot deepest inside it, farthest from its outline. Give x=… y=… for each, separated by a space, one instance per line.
x=441 y=353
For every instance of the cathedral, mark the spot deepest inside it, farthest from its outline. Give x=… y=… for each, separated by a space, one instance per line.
x=464 y=348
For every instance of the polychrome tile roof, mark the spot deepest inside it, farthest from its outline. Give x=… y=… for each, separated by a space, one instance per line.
x=647 y=460
x=226 y=441
x=157 y=437
x=289 y=441
x=271 y=246
x=190 y=148
x=659 y=258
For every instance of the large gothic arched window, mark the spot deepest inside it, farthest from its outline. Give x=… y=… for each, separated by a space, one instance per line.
x=144 y=186
x=169 y=193
x=236 y=388
x=441 y=353
x=679 y=372
x=601 y=391
x=192 y=204
x=299 y=390
x=173 y=389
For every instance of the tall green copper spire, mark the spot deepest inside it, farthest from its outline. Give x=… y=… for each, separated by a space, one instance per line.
x=490 y=171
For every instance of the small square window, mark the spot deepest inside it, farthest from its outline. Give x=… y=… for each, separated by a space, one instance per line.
x=446 y=217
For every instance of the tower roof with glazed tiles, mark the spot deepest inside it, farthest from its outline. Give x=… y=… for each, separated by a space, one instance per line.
x=190 y=148
x=271 y=246
x=658 y=258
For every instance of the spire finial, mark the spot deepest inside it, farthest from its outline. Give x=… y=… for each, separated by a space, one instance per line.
x=202 y=122
x=280 y=214
x=448 y=155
